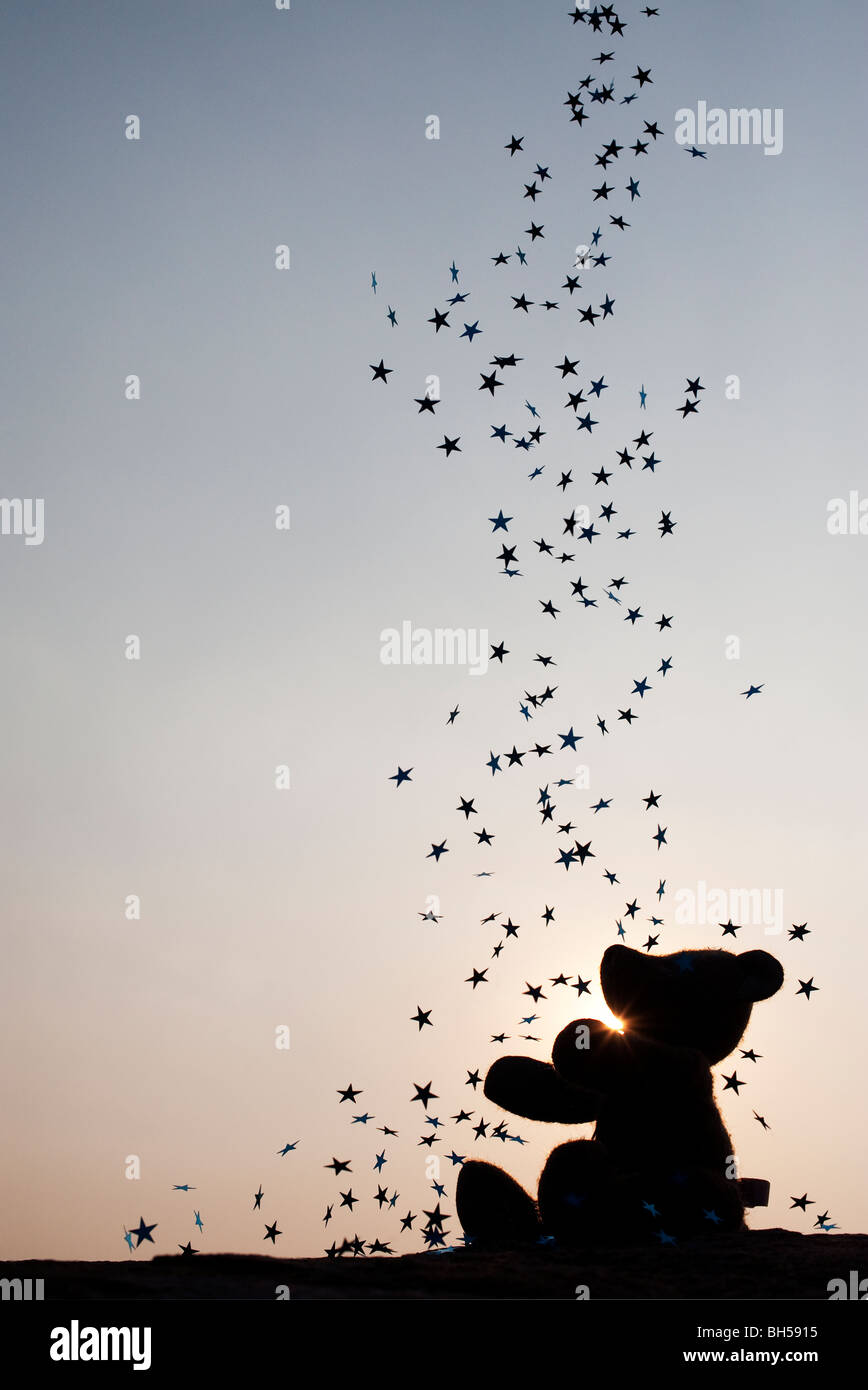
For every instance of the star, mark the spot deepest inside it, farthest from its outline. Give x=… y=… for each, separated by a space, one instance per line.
x=143 y=1232
x=729 y=928
x=761 y=1120
x=402 y=775
x=660 y=837
x=477 y=978
x=450 y=445
x=271 y=1233
x=187 y=1249
x=338 y=1165
x=381 y=372
x=453 y=271
x=287 y=1148
x=424 y=1094
x=807 y=987
x=515 y=144
x=258 y=1196
x=798 y=933
x=437 y=851
x=535 y=992
x=422 y=1017
x=348 y=1200
x=349 y=1094
x=695 y=153
x=666 y=525
x=733 y=1083
x=803 y=1202
x=751 y=690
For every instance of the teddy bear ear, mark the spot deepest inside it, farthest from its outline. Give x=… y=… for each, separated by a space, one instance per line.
x=761 y=975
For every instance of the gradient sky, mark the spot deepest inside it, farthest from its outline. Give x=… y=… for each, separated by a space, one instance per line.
x=260 y=908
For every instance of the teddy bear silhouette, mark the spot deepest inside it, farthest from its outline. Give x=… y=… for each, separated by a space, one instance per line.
x=661 y=1159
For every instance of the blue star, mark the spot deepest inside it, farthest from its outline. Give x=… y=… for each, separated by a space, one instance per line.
x=500 y=522
x=470 y=331
x=643 y=396
x=453 y=271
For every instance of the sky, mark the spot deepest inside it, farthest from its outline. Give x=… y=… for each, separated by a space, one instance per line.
x=140 y=1053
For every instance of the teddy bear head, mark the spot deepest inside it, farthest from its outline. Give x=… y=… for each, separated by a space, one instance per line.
x=700 y=999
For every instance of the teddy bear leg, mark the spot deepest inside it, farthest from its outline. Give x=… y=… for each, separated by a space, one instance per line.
x=703 y=1201
x=492 y=1207
x=687 y=1204
x=569 y=1184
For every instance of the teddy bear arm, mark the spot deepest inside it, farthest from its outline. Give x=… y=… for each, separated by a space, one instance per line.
x=533 y=1089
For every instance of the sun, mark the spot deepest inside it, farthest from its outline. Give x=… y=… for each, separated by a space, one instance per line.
x=605 y=1015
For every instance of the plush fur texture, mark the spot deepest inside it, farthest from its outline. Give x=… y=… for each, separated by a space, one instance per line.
x=660 y=1158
